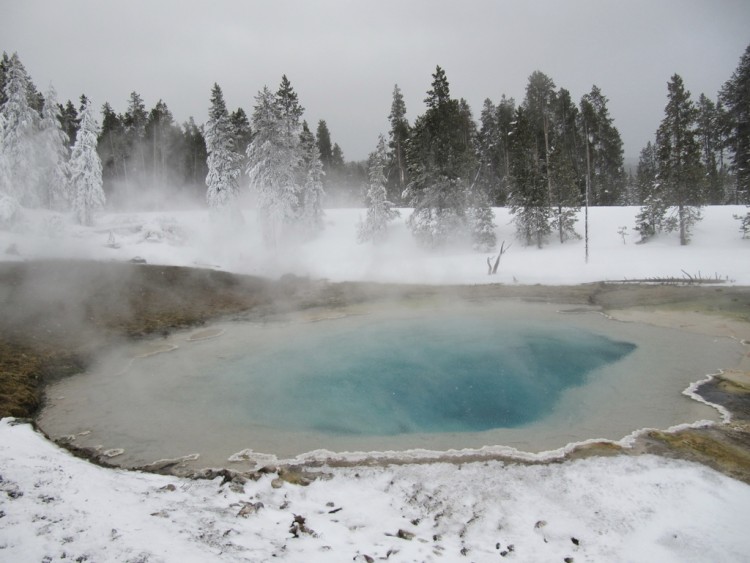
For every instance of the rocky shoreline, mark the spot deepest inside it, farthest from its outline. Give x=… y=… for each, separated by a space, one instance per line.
x=57 y=314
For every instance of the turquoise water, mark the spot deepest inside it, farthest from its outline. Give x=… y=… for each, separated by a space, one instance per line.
x=386 y=378
x=423 y=375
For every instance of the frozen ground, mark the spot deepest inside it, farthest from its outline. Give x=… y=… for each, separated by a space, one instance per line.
x=56 y=507
x=191 y=238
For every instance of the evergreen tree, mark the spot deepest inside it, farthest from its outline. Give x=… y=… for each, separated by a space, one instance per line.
x=311 y=184
x=539 y=104
x=564 y=167
x=54 y=155
x=113 y=149
x=272 y=163
x=337 y=159
x=195 y=156
x=529 y=197
x=735 y=100
x=488 y=141
x=86 y=169
x=646 y=172
x=17 y=136
x=324 y=146
x=399 y=134
x=164 y=140
x=242 y=131
x=492 y=142
x=680 y=173
x=69 y=121
x=506 y=111
x=605 y=150
x=380 y=211
x=710 y=140
x=4 y=64
x=134 y=131
x=222 y=161
x=442 y=166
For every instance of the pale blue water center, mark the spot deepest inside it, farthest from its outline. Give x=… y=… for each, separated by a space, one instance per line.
x=435 y=374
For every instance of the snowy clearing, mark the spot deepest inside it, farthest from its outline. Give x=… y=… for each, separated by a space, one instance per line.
x=57 y=507
x=190 y=238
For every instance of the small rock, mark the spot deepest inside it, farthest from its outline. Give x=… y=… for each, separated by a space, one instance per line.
x=299 y=526
x=169 y=488
x=404 y=535
x=250 y=508
x=575 y=541
x=568 y=560
x=137 y=260
x=277 y=483
x=540 y=524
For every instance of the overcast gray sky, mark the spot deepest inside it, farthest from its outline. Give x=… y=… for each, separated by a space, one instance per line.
x=343 y=57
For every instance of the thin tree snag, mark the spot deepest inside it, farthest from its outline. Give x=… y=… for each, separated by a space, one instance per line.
x=492 y=268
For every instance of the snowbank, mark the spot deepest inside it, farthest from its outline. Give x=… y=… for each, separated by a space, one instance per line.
x=645 y=508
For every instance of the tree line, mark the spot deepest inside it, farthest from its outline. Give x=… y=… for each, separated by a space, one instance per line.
x=544 y=158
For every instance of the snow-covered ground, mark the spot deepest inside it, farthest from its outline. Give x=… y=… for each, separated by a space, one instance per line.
x=56 y=507
x=192 y=238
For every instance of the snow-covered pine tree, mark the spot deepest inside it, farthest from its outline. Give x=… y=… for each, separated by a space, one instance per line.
x=54 y=155
x=9 y=208
x=222 y=161
x=272 y=164
x=564 y=167
x=86 y=169
x=529 y=203
x=399 y=137
x=441 y=164
x=17 y=136
x=311 y=185
x=380 y=211
x=681 y=177
x=651 y=219
x=605 y=150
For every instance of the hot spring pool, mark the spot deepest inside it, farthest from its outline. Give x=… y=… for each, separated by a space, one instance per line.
x=386 y=377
